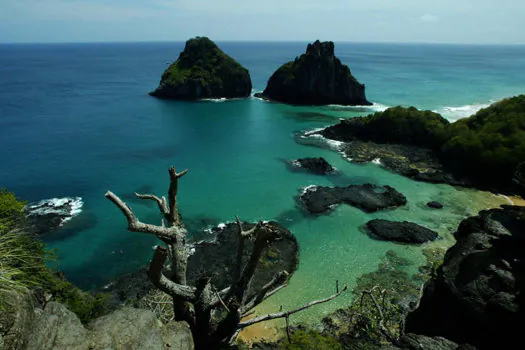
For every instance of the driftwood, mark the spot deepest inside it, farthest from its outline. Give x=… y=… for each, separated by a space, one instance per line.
x=214 y=316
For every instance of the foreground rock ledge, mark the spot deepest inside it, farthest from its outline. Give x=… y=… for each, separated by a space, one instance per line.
x=368 y=197
x=315 y=78
x=402 y=232
x=203 y=70
x=478 y=296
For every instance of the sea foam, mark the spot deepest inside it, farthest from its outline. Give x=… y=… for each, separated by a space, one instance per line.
x=67 y=208
x=455 y=113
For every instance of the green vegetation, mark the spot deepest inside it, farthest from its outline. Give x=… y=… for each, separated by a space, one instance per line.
x=310 y=340
x=203 y=64
x=401 y=125
x=490 y=144
x=486 y=147
x=23 y=265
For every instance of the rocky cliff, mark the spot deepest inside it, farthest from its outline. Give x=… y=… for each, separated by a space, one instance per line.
x=25 y=324
x=315 y=78
x=203 y=70
x=478 y=296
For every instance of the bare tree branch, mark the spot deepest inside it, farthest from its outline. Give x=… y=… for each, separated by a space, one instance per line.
x=268 y=317
x=135 y=225
x=277 y=283
x=173 y=217
x=241 y=234
x=381 y=324
x=161 y=282
x=161 y=202
x=265 y=235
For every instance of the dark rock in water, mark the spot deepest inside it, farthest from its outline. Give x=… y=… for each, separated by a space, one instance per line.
x=404 y=232
x=435 y=205
x=478 y=295
x=216 y=259
x=49 y=214
x=417 y=163
x=315 y=165
x=315 y=78
x=369 y=198
x=203 y=70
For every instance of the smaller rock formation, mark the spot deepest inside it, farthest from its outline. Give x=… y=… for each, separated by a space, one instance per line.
x=477 y=296
x=317 y=166
x=368 y=197
x=403 y=232
x=435 y=205
x=203 y=70
x=49 y=214
x=315 y=78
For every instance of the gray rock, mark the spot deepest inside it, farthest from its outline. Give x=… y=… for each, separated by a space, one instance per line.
x=57 y=328
x=16 y=318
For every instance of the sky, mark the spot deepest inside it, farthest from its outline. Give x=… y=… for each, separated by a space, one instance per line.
x=428 y=21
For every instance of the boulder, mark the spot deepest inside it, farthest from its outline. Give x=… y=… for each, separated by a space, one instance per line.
x=315 y=78
x=478 y=294
x=317 y=166
x=214 y=259
x=435 y=205
x=368 y=197
x=203 y=70
x=403 y=232
x=57 y=328
x=16 y=318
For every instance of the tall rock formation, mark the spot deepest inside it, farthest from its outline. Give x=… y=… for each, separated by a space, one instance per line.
x=315 y=78
x=478 y=295
x=203 y=70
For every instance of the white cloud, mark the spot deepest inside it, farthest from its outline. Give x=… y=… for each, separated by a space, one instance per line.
x=428 y=18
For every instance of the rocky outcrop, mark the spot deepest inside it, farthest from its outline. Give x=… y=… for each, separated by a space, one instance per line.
x=368 y=197
x=403 y=232
x=55 y=327
x=49 y=214
x=214 y=259
x=315 y=78
x=435 y=205
x=478 y=296
x=317 y=166
x=203 y=70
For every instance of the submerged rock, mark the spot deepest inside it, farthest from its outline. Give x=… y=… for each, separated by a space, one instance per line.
x=315 y=165
x=368 y=197
x=404 y=232
x=203 y=70
x=435 y=205
x=477 y=296
x=315 y=78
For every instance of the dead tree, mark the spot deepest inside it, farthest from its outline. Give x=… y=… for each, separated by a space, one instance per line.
x=215 y=317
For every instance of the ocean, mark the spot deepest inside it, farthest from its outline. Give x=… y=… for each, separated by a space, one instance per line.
x=76 y=121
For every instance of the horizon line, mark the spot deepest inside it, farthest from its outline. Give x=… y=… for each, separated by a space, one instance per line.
x=256 y=41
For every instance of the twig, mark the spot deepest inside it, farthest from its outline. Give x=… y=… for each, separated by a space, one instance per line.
x=259 y=319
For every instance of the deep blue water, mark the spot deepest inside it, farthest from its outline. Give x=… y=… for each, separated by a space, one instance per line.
x=76 y=120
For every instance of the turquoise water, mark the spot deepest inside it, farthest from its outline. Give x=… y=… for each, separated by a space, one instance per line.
x=76 y=120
